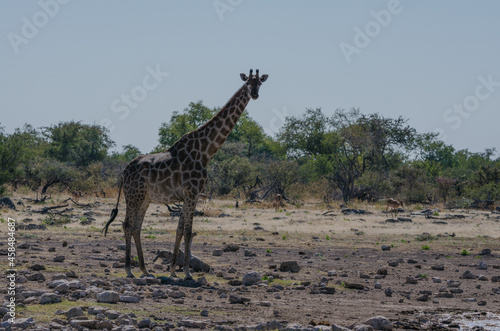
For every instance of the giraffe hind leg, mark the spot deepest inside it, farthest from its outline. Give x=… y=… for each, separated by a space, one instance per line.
x=128 y=248
x=137 y=238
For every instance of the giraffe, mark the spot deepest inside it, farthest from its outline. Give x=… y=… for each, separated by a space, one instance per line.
x=178 y=174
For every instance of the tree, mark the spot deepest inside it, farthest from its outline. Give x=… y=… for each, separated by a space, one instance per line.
x=76 y=143
x=16 y=150
x=192 y=117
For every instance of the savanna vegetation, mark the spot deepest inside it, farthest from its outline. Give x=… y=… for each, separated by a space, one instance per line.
x=344 y=156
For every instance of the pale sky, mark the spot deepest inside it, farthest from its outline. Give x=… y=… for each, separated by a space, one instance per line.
x=130 y=64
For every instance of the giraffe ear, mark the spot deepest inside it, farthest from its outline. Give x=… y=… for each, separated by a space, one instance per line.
x=244 y=77
x=263 y=78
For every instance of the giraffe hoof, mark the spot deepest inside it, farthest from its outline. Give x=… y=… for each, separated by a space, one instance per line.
x=130 y=276
x=148 y=276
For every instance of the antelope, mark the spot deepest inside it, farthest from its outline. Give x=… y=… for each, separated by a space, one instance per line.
x=394 y=204
x=278 y=201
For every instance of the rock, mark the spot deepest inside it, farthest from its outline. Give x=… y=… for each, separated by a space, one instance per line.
x=388 y=292
x=108 y=297
x=129 y=298
x=386 y=247
x=354 y=286
x=482 y=265
x=74 y=312
x=238 y=299
x=452 y=283
x=48 y=298
x=485 y=251
x=411 y=280
x=7 y=202
x=37 y=267
x=62 y=288
x=289 y=266
x=217 y=252
x=124 y=319
x=438 y=267
x=94 y=310
x=468 y=275
x=112 y=314
x=176 y=294
x=80 y=324
x=423 y=297
x=379 y=323
x=231 y=248
x=393 y=263
x=251 y=278
x=363 y=327
x=481 y=303
x=189 y=323
x=59 y=258
x=338 y=328
x=145 y=323
x=378 y=286
x=495 y=279
x=204 y=313
x=23 y=323
x=38 y=276
x=482 y=278
x=249 y=253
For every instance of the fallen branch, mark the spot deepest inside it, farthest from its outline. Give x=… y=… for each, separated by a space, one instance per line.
x=329 y=213
x=45 y=210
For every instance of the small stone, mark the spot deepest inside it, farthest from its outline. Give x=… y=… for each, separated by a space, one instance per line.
x=481 y=303
x=112 y=314
x=237 y=299
x=217 y=252
x=411 y=280
x=482 y=265
x=354 y=286
x=438 y=267
x=393 y=263
x=290 y=266
x=62 y=288
x=482 y=278
x=468 y=275
x=251 y=278
x=388 y=292
x=108 y=297
x=74 y=312
x=129 y=298
x=52 y=249
x=48 y=298
x=145 y=323
x=423 y=297
x=37 y=277
x=485 y=251
x=379 y=323
x=37 y=267
x=386 y=247
x=378 y=286
x=176 y=294
x=59 y=258
x=231 y=248
x=204 y=313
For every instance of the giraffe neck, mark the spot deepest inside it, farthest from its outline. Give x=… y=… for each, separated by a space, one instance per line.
x=214 y=133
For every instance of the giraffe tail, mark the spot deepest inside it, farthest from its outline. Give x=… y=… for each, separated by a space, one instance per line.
x=114 y=212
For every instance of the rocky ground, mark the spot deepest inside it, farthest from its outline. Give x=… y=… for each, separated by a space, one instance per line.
x=297 y=268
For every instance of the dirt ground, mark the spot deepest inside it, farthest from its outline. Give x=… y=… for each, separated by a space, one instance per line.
x=441 y=272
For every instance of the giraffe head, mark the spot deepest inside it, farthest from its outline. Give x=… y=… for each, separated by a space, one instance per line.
x=253 y=83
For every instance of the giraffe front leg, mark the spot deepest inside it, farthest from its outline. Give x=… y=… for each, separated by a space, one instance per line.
x=178 y=237
x=188 y=211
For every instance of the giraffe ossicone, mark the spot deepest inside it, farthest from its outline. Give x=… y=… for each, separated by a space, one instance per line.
x=178 y=174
